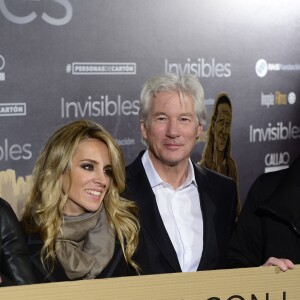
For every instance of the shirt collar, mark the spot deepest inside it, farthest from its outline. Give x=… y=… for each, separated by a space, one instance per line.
x=154 y=178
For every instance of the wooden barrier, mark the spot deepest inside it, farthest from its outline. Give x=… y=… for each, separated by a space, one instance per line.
x=263 y=283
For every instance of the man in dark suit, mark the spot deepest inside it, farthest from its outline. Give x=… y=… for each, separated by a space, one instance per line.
x=187 y=212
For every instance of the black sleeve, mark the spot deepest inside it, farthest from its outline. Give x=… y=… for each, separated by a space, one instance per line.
x=246 y=245
x=15 y=263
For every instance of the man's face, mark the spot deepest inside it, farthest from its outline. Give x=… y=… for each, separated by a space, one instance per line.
x=221 y=127
x=171 y=130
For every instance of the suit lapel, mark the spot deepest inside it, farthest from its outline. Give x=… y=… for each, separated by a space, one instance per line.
x=151 y=220
x=208 y=214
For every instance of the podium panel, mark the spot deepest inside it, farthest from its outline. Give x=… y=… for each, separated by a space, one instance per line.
x=263 y=283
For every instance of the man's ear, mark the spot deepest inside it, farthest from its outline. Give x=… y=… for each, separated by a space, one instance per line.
x=143 y=130
x=199 y=131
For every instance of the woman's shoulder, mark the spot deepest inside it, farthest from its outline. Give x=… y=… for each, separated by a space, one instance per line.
x=8 y=218
x=5 y=206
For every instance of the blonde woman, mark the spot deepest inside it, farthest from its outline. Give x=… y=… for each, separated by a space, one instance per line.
x=77 y=224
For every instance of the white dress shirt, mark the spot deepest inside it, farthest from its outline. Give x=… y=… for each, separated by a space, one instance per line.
x=181 y=214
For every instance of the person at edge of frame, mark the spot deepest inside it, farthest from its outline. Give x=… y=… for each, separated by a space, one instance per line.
x=267 y=232
x=15 y=264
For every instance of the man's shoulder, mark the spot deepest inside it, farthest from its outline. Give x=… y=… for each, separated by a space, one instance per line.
x=135 y=166
x=270 y=180
x=212 y=175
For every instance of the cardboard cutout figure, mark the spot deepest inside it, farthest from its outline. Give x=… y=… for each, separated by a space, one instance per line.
x=217 y=151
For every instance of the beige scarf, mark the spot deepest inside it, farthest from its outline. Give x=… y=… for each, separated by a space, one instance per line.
x=86 y=245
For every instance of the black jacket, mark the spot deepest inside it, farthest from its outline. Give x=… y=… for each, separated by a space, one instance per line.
x=15 y=266
x=269 y=224
x=218 y=202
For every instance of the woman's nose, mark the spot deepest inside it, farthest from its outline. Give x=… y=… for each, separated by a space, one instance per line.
x=101 y=178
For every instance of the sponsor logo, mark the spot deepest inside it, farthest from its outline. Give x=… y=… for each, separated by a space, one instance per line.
x=128 y=141
x=101 y=68
x=201 y=68
x=10 y=151
x=280 y=132
x=292 y=98
x=209 y=101
x=63 y=5
x=103 y=106
x=2 y=65
x=276 y=161
x=278 y=98
x=262 y=67
x=12 y=109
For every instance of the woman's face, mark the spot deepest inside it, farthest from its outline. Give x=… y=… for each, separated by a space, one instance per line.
x=90 y=178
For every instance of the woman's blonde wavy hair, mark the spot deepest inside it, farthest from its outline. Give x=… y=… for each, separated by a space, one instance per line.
x=43 y=213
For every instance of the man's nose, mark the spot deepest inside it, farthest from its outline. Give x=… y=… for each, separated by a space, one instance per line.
x=173 y=129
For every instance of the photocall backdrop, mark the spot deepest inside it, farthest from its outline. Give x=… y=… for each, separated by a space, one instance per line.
x=64 y=60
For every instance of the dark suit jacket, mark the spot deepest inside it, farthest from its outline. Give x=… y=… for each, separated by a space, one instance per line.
x=218 y=203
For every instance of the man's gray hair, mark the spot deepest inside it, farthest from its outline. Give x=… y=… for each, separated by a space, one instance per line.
x=184 y=85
